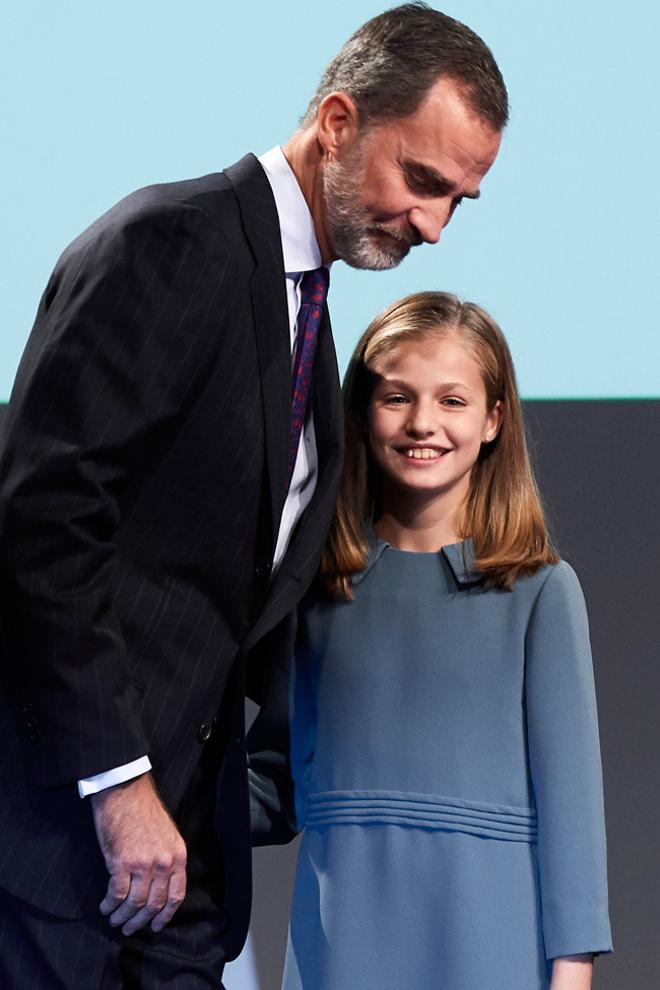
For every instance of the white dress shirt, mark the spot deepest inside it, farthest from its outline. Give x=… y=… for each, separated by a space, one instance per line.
x=301 y=253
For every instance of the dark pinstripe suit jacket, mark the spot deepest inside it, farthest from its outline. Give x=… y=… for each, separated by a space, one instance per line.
x=143 y=473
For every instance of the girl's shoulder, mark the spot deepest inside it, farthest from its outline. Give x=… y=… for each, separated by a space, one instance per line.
x=461 y=558
x=558 y=575
x=553 y=589
x=559 y=572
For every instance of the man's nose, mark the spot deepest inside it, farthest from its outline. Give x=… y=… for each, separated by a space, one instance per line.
x=429 y=220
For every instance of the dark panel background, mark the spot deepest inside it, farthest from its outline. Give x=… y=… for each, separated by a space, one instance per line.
x=598 y=468
x=598 y=465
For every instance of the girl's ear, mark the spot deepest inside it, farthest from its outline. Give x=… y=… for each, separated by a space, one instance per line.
x=493 y=423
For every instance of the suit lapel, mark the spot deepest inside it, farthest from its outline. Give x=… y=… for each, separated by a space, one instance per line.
x=270 y=312
x=302 y=557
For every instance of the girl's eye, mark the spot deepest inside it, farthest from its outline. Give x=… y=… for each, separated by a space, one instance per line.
x=453 y=403
x=395 y=400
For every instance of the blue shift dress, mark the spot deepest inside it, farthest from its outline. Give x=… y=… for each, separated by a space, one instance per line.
x=443 y=749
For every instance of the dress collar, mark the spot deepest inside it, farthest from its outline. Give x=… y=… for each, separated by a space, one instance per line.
x=460 y=557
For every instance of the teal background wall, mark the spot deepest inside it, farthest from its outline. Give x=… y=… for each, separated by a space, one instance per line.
x=97 y=99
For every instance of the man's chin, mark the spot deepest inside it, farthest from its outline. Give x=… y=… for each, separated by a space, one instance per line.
x=373 y=264
x=372 y=256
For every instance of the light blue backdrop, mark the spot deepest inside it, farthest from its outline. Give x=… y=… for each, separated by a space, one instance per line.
x=98 y=98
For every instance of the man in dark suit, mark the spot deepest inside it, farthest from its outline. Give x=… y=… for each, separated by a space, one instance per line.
x=160 y=515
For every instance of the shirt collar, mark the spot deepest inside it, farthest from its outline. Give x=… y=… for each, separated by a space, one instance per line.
x=300 y=248
x=460 y=557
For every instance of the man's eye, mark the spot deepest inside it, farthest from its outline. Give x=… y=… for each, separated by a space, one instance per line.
x=420 y=184
x=417 y=185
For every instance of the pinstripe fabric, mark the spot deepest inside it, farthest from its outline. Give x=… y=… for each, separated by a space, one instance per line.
x=142 y=476
x=42 y=952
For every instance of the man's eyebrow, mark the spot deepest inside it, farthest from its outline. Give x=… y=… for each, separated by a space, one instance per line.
x=435 y=180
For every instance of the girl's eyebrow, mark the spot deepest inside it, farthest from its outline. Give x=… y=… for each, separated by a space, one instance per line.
x=394 y=382
x=400 y=383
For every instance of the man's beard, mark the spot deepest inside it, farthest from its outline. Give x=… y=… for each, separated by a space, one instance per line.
x=353 y=232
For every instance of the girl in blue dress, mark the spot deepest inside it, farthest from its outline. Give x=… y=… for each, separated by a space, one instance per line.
x=433 y=728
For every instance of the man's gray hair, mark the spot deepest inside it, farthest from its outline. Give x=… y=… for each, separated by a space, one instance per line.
x=388 y=66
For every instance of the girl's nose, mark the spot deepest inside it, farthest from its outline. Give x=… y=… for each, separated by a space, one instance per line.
x=420 y=422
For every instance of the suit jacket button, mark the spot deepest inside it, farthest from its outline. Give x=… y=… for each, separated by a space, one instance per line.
x=204 y=732
x=263 y=569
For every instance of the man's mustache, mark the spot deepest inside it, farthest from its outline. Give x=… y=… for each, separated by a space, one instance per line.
x=410 y=237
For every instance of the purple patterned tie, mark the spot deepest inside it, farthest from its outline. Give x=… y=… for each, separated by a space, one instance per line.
x=313 y=290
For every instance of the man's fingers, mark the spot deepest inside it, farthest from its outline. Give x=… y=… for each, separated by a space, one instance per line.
x=144 y=853
x=175 y=896
x=135 y=900
x=139 y=920
x=117 y=892
x=156 y=902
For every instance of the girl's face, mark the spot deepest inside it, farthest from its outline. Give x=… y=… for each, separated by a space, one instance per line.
x=428 y=417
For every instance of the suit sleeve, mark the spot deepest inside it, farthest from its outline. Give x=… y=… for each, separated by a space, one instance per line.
x=119 y=344
x=566 y=772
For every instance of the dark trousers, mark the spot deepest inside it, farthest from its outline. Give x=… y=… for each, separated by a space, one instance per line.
x=41 y=952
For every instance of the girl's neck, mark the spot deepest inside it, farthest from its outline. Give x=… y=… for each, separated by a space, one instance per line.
x=416 y=524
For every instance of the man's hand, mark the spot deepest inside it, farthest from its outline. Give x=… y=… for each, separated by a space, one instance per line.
x=144 y=853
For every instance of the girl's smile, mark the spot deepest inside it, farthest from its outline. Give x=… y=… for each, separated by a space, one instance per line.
x=424 y=453
x=428 y=418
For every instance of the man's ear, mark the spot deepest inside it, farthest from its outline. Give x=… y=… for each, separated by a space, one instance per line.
x=337 y=124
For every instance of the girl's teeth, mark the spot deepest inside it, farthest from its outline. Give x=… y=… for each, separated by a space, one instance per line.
x=422 y=453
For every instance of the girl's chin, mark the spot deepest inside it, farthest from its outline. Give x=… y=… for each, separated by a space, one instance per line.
x=413 y=485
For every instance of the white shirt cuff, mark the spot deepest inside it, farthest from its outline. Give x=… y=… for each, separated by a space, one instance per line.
x=100 y=781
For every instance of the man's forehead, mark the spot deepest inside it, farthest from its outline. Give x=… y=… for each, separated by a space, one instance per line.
x=458 y=148
x=445 y=124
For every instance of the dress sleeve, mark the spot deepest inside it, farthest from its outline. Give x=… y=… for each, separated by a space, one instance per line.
x=272 y=790
x=565 y=768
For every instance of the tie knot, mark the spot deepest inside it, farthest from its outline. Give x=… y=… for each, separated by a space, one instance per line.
x=314 y=286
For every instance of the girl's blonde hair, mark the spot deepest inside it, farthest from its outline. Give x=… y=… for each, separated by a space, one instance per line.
x=502 y=514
